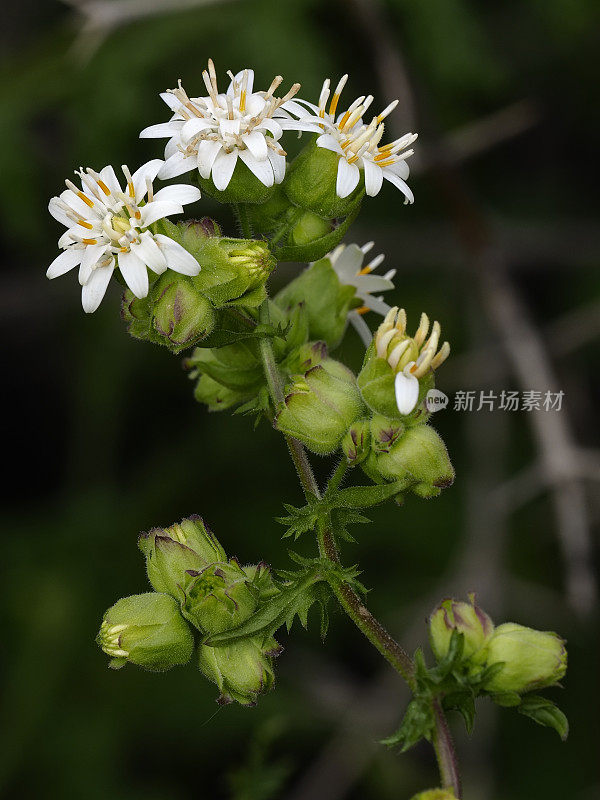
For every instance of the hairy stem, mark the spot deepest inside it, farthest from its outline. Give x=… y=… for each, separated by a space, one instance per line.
x=349 y=600
x=444 y=751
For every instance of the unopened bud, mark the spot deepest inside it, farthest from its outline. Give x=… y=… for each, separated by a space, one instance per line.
x=356 y=443
x=181 y=315
x=532 y=659
x=418 y=456
x=320 y=406
x=311 y=181
x=219 y=597
x=147 y=630
x=466 y=618
x=241 y=671
x=171 y=552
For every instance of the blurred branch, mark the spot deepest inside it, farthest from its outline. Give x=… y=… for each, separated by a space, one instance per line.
x=102 y=17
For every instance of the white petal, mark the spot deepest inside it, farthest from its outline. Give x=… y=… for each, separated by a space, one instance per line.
x=158 y=209
x=70 y=236
x=109 y=177
x=407 y=392
x=58 y=213
x=149 y=170
x=361 y=327
x=256 y=144
x=178 y=258
x=297 y=107
x=64 y=262
x=92 y=254
x=399 y=184
x=193 y=126
x=148 y=251
x=272 y=126
x=135 y=273
x=95 y=288
x=327 y=141
x=207 y=152
x=348 y=176
x=176 y=165
x=170 y=99
x=180 y=193
x=278 y=164
x=375 y=304
x=162 y=130
x=373 y=283
x=223 y=169
x=348 y=262
x=171 y=147
x=373 y=177
x=262 y=169
x=400 y=168
x=230 y=126
x=79 y=207
x=238 y=80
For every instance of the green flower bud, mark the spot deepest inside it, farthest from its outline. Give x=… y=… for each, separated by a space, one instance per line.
x=435 y=794
x=326 y=301
x=171 y=552
x=532 y=659
x=147 y=630
x=320 y=406
x=466 y=618
x=308 y=228
x=242 y=671
x=418 y=456
x=357 y=441
x=233 y=271
x=398 y=369
x=181 y=315
x=310 y=183
x=219 y=597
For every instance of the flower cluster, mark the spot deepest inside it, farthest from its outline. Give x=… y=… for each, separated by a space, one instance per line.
x=109 y=228
x=187 y=284
x=358 y=144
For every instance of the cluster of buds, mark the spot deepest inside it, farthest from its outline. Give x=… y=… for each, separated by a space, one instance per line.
x=180 y=311
x=527 y=659
x=198 y=592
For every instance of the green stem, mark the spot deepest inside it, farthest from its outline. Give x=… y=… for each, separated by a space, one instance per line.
x=352 y=604
x=293 y=217
x=444 y=751
x=241 y=211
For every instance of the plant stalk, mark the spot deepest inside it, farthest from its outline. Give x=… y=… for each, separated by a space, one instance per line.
x=350 y=601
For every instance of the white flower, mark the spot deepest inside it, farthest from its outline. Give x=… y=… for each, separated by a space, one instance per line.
x=210 y=133
x=411 y=357
x=357 y=143
x=109 y=228
x=347 y=261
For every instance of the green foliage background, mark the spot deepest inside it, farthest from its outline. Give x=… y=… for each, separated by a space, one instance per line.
x=103 y=438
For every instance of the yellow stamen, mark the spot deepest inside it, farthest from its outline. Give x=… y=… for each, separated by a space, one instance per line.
x=85 y=199
x=103 y=186
x=85 y=224
x=362 y=310
x=89 y=241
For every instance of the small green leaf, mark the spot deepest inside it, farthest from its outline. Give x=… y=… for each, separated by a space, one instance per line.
x=546 y=713
x=367 y=496
x=418 y=723
x=506 y=699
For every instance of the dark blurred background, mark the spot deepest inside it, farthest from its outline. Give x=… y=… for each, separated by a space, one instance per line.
x=103 y=437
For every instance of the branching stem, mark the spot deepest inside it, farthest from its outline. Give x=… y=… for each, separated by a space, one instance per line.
x=349 y=600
